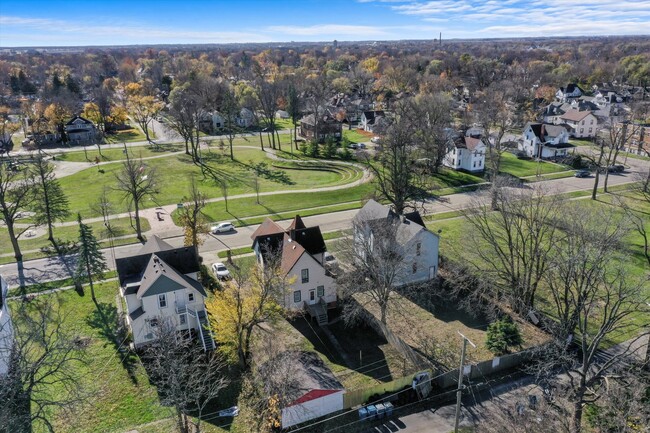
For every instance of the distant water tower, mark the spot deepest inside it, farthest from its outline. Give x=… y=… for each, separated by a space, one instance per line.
x=336 y=44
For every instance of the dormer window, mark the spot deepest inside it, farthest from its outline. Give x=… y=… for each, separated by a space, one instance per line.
x=162 y=300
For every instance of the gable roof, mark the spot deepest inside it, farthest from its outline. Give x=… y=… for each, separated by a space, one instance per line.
x=313 y=378
x=153 y=245
x=371 y=116
x=546 y=131
x=296 y=223
x=183 y=260
x=159 y=277
x=575 y=115
x=268 y=227
x=410 y=225
x=75 y=120
x=310 y=238
x=291 y=253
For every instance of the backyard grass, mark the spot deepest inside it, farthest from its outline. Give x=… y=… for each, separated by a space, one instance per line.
x=521 y=168
x=69 y=233
x=454 y=245
x=175 y=172
x=357 y=135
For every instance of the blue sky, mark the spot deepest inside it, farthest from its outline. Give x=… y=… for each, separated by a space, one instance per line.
x=120 y=22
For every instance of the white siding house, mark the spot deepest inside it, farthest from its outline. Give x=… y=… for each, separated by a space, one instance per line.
x=302 y=251
x=6 y=329
x=417 y=245
x=542 y=140
x=465 y=153
x=159 y=284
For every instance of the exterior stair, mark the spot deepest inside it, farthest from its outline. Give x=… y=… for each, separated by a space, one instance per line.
x=205 y=332
x=319 y=312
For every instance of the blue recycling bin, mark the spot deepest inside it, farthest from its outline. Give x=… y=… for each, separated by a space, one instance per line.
x=389 y=408
x=363 y=413
x=372 y=412
x=381 y=410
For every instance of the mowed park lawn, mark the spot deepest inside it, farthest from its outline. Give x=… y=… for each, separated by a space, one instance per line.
x=455 y=231
x=175 y=172
x=521 y=167
x=69 y=233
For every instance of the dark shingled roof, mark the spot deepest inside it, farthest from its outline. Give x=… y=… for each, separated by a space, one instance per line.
x=86 y=121
x=153 y=245
x=310 y=238
x=183 y=260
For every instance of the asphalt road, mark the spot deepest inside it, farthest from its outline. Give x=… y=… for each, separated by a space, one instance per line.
x=54 y=268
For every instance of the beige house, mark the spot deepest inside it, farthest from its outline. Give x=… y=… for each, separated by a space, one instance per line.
x=302 y=260
x=582 y=124
x=160 y=283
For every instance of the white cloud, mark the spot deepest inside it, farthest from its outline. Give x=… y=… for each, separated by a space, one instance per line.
x=328 y=30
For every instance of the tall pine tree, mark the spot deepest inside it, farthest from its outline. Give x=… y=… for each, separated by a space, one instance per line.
x=91 y=262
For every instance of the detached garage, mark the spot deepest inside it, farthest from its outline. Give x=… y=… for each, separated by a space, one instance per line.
x=310 y=389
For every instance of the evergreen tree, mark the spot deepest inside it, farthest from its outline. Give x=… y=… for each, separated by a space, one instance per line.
x=503 y=334
x=91 y=262
x=50 y=203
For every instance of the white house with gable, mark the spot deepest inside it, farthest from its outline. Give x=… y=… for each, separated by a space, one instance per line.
x=543 y=140
x=465 y=152
x=417 y=245
x=160 y=283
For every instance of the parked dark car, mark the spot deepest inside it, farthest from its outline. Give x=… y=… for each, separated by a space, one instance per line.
x=582 y=173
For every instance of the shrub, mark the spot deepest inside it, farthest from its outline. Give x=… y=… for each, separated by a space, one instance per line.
x=503 y=334
x=329 y=148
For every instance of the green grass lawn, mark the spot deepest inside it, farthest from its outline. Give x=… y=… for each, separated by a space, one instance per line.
x=175 y=172
x=451 y=178
x=282 y=206
x=128 y=135
x=357 y=135
x=521 y=168
x=454 y=242
x=121 y=226
x=108 y=155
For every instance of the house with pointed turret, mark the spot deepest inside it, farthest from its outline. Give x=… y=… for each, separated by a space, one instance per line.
x=300 y=252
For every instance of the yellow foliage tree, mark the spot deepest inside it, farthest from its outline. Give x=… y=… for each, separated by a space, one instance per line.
x=244 y=304
x=56 y=114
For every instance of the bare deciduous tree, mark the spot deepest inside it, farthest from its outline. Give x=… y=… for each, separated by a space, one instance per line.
x=594 y=301
x=136 y=181
x=192 y=217
x=188 y=378
x=513 y=245
x=46 y=353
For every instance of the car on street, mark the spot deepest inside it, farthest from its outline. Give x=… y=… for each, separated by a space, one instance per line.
x=376 y=140
x=222 y=228
x=582 y=173
x=221 y=271
x=353 y=146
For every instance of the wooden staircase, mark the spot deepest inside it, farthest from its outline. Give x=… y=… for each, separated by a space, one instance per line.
x=318 y=311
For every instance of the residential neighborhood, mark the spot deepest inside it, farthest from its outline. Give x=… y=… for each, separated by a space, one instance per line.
x=311 y=227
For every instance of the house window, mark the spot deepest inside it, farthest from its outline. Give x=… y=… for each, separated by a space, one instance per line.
x=183 y=319
x=582 y=130
x=592 y=122
x=190 y=297
x=418 y=248
x=590 y=130
x=415 y=267
x=162 y=301
x=320 y=291
x=297 y=296
x=305 y=275
x=153 y=323
x=583 y=122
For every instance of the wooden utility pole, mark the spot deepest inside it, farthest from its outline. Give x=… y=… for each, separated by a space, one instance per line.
x=459 y=391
